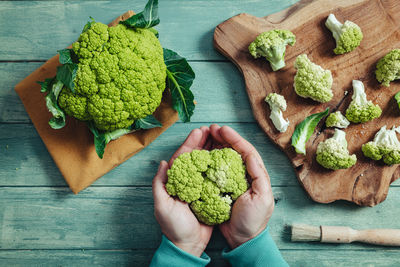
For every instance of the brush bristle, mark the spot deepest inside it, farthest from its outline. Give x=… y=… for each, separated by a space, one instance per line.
x=303 y=232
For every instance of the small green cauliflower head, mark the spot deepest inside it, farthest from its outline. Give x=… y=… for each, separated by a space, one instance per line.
x=312 y=81
x=333 y=154
x=360 y=109
x=209 y=181
x=120 y=78
x=388 y=68
x=336 y=119
x=272 y=46
x=348 y=36
x=385 y=145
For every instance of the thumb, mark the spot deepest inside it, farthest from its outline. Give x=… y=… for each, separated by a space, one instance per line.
x=259 y=176
x=159 y=181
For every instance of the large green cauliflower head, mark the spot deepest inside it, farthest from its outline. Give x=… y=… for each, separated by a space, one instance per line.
x=209 y=181
x=120 y=78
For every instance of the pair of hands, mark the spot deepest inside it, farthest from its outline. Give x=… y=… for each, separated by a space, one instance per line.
x=250 y=212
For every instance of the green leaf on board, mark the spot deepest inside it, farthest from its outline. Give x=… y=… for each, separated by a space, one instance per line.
x=305 y=129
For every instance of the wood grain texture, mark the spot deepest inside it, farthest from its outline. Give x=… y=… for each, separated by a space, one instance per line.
x=122 y=218
x=64 y=21
x=121 y=258
x=35 y=167
x=367 y=182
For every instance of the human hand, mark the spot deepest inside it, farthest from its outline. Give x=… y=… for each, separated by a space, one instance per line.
x=253 y=209
x=176 y=220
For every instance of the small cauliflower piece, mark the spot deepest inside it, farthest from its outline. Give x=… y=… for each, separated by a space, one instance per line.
x=333 y=154
x=388 y=68
x=348 y=35
x=312 y=81
x=360 y=109
x=385 y=145
x=272 y=46
x=336 y=119
x=277 y=104
x=209 y=181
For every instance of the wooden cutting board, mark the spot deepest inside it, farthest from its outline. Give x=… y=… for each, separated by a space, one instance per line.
x=367 y=182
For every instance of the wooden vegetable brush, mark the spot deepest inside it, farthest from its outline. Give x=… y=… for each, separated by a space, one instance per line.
x=343 y=234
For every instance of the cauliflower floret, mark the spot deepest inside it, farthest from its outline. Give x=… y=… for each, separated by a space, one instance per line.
x=277 y=104
x=360 y=109
x=212 y=208
x=185 y=177
x=312 y=81
x=388 y=68
x=120 y=78
x=385 y=145
x=348 y=36
x=209 y=181
x=336 y=119
x=333 y=154
x=227 y=171
x=272 y=46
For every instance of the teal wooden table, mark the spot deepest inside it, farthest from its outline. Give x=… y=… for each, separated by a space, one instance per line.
x=111 y=223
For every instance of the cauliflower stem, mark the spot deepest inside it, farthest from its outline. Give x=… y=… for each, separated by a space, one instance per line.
x=277 y=104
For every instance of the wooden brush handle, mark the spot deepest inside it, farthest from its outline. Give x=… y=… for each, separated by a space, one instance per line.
x=338 y=234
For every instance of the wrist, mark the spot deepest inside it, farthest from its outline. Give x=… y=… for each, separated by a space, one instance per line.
x=195 y=249
x=237 y=240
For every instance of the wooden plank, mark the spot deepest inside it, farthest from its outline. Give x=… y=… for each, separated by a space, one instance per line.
x=54 y=25
x=122 y=218
x=25 y=161
x=295 y=258
x=34 y=167
x=217 y=84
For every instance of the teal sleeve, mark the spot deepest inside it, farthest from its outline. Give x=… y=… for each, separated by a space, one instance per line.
x=259 y=251
x=168 y=254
